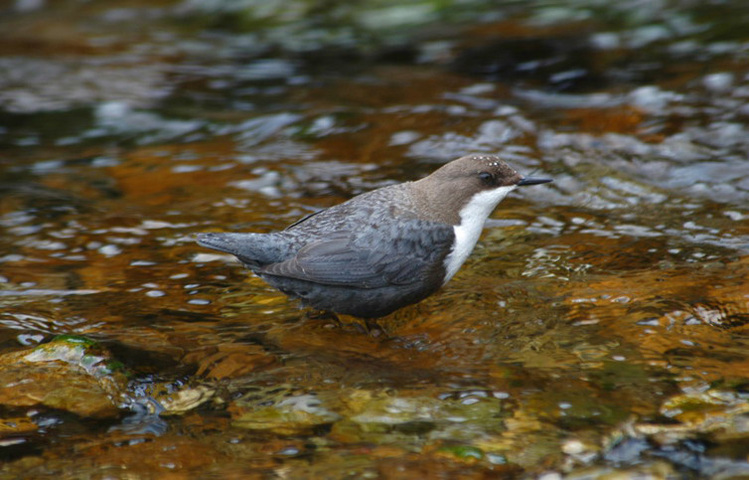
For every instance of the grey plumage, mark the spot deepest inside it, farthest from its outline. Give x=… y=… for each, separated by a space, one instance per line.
x=355 y=251
x=375 y=253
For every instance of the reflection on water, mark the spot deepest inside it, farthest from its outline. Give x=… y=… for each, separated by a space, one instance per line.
x=598 y=328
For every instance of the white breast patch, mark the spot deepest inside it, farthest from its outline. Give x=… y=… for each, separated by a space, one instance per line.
x=472 y=219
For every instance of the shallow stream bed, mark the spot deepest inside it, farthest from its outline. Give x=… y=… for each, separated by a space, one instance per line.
x=598 y=329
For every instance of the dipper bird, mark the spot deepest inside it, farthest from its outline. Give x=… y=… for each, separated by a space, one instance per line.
x=384 y=249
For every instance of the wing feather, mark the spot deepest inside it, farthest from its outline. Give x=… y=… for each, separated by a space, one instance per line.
x=370 y=258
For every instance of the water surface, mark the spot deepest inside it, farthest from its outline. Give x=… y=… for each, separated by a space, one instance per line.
x=597 y=329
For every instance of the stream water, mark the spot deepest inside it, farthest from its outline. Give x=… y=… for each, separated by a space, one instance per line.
x=598 y=329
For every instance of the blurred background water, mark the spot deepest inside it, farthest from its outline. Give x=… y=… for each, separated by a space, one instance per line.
x=597 y=330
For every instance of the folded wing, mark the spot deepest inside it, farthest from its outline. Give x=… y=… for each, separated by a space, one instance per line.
x=398 y=254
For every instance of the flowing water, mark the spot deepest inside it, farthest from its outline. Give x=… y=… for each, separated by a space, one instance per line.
x=598 y=329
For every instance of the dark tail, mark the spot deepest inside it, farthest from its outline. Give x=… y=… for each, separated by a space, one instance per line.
x=252 y=249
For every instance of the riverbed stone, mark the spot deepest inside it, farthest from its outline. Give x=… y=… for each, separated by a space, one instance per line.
x=69 y=373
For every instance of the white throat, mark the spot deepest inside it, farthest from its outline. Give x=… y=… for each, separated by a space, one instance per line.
x=472 y=219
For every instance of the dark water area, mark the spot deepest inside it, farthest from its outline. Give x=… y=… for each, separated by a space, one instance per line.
x=597 y=331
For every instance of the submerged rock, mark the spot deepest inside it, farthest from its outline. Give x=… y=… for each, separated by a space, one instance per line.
x=185 y=400
x=282 y=412
x=70 y=373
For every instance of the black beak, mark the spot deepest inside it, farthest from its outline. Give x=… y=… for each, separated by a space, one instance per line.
x=533 y=181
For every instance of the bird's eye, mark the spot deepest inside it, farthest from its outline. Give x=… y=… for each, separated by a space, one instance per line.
x=487 y=178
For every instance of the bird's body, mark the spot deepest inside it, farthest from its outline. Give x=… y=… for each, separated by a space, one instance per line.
x=384 y=249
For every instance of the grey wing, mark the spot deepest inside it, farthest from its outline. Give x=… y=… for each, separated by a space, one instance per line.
x=374 y=258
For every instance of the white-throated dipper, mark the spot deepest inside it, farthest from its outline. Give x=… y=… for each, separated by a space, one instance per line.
x=384 y=249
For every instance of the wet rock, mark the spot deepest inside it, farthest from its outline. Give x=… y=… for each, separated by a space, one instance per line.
x=373 y=411
x=623 y=287
x=649 y=471
x=282 y=412
x=719 y=413
x=69 y=373
x=580 y=451
x=185 y=400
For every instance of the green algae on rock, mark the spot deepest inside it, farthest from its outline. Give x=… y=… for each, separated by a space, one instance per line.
x=69 y=373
